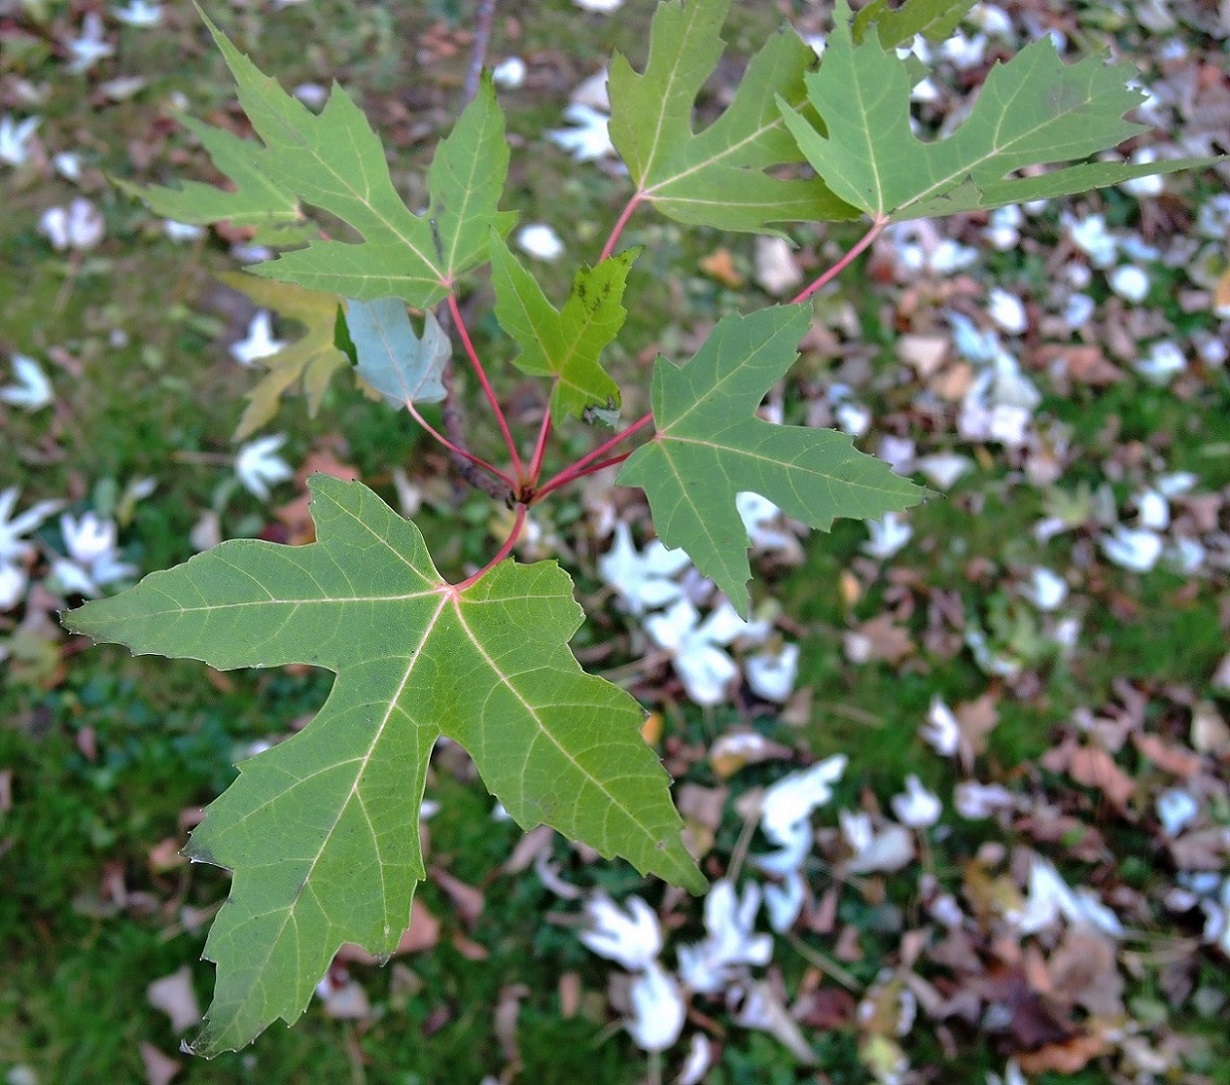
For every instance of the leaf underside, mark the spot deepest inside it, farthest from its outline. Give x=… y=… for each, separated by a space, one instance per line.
x=321 y=831
x=333 y=160
x=400 y=365
x=308 y=363
x=1033 y=110
x=565 y=344
x=716 y=177
x=709 y=446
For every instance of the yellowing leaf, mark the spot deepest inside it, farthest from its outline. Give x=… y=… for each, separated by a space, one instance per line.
x=308 y=363
x=321 y=831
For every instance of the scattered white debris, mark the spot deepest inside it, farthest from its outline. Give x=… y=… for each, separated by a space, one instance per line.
x=258 y=466
x=540 y=241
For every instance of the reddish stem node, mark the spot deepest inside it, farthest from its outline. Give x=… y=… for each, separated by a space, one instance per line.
x=500 y=554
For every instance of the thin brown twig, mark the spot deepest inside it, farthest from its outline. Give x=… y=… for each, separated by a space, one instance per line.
x=455 y=427
x=483 y=19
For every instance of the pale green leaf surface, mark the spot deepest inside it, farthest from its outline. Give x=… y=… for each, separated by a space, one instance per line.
x=321 y=831
x=256 y=202
x=308 y=363
x=1033 y=110
x=398 y=364
x=709 y=446
x=1056 y=183
x=934 y=19
x=564 y=343
x=335 y=161
x=715 y=177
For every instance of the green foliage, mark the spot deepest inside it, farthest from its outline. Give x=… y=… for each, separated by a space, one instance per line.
x=335 y=161
x=716 y=177
x=321 y=831
x=564 y=343
x=257 y=201
x=1034 y=110
x=710 y=447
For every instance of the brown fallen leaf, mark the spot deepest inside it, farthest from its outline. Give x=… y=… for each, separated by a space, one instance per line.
x=1083 y=972
x=976 y=720
x=878 y=639
x=467 y=900
x=1091 y=766
x=1065 y=1057
x=1168 y=756
x=720 y=265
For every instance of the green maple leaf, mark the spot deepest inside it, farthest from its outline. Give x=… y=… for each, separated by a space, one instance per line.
x=398 y=364
x=321 y=831
x=258 y=203
x=936 y=20
x=716 y=177
x=333 y=160
x=565 y=344
x=1033 y=110
x=708 y=447
x=308 y=363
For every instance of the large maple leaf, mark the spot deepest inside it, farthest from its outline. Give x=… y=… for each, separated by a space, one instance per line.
x=1033 y=110
x=715 y=177
x=335 y=161
x=708 y=447
x=321 y=831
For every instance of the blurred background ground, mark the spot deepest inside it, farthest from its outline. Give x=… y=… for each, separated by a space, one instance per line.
x=1044 y=647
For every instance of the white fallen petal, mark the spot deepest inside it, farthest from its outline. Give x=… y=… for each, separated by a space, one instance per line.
x=1176 y=810
x=916 y=807
x=259 y=342
x=657 y=1009
x=540 y=241
x=632 y=937
x=1046 y=588
x=32 y=390
x=696 y=1065
x=975 y=801
x=1130 y=282
x=888 y=536
x=1135 y=549
x=792 y=799
x=259 y=467
x=509 y=73
x=941 y=731
x=772 y=675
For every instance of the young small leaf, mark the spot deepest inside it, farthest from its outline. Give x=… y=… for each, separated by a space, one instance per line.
x=257 y=202
x=309 y=362
x=333 y=160
x=391 y=358
x=715 y=177
x=709 y=446
x=321 y=831
x=565 y=344
x=1033 y=110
